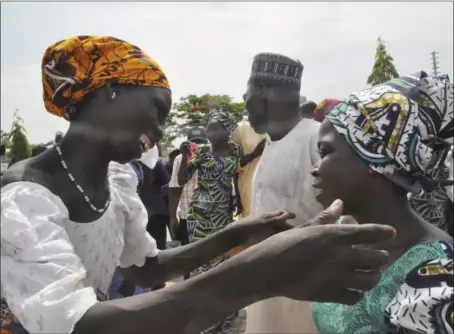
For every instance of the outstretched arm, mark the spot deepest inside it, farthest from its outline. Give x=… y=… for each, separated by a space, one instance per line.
x=228 y=285
x=175 y=262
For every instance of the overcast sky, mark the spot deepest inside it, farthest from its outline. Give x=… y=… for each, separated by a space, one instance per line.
x=208 y=47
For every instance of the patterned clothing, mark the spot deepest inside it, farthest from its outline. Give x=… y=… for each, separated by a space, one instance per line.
x=431 y=206
x=187 y=191
x=116 y=284
x=210 y=208
x=449 y=165
x=273 y=67
x=402 y=129
x=372 y=314
x=74 y=67
x=53 y=270
x=424 y=303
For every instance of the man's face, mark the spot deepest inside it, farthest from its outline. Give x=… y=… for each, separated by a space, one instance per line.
x=256 y=108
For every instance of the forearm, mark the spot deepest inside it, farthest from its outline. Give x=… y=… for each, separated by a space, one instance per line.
x=183 y=175
x=176 y=262
x=174 y=198
x=246 y=159
x=185 y=307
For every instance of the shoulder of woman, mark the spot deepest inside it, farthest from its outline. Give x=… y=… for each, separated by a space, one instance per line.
x=426 y=250
x=25 y=195
x=30 y=213
x=429 y=249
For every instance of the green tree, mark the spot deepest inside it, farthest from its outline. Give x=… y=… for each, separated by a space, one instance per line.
x=383 y=68
x=19 y=145
x=4 y=142
x=194 y=110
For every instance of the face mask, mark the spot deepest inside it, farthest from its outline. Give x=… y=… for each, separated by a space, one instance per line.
x=150 y=158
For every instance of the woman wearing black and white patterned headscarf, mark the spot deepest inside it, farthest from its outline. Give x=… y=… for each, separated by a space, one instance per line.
x=375 y=147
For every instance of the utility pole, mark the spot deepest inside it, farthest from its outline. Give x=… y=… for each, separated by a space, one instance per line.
x=434 y=57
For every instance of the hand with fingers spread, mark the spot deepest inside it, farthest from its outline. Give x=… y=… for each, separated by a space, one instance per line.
x=320 y=262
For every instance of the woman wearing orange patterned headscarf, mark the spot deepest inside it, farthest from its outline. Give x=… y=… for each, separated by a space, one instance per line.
x=71 y=215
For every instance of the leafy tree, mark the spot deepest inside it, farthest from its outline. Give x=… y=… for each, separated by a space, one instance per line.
x=194 y=110
x=19 y=145
x=383 y=68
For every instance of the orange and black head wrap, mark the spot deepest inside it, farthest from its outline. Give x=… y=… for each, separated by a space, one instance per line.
x=74 y=67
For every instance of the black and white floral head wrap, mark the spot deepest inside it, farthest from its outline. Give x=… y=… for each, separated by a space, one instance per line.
x=402 y=129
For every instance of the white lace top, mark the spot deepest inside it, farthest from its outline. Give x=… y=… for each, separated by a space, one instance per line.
x=51 y=267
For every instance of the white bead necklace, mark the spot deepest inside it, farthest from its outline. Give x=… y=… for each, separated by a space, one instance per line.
x=81 y=190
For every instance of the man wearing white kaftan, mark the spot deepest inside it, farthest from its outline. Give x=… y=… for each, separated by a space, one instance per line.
x=283 y=176
x=283 y=180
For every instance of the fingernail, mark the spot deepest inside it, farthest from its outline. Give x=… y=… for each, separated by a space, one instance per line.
x=394 y=234
x=335 y=203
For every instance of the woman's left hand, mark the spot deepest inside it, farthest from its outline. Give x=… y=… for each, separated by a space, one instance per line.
x=261 y=228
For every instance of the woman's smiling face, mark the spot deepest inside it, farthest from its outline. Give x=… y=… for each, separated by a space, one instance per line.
x=339 y=173
x=135 y=116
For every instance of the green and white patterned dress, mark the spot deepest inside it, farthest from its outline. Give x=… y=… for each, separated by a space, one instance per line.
x=210 y=208
x=372 y=314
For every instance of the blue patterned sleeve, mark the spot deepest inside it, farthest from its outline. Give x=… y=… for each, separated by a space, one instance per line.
x=424 y=302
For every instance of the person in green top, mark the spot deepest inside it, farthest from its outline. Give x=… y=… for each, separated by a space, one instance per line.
x=211 y=207
x=375 y=147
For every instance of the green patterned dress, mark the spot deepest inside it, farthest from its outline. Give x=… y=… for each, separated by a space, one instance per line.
x=370 y=315
x=210 y=207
